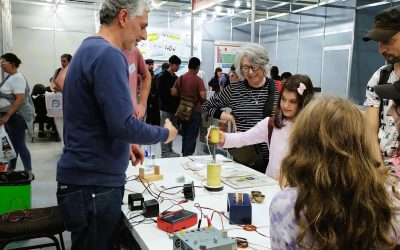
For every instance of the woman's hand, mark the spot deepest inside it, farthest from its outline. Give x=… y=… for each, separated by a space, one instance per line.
x=222 y=138
x=230 y=118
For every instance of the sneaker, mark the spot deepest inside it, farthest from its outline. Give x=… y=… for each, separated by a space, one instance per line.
x=30 y=174
x=173 y=154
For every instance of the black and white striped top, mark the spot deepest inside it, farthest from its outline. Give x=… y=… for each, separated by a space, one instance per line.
x=247 y=105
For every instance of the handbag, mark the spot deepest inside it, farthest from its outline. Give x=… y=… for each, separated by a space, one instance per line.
x=185 y=109
x=186 y=105
x=54 y=104
x=250 y=156
x=7 y=149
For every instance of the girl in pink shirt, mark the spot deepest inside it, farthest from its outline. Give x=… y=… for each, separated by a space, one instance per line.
x=296 y=93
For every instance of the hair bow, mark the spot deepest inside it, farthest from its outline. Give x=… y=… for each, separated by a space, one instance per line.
x=301 y=88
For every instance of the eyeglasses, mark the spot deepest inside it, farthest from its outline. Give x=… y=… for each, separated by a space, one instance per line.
x=4 y=63
x=246 y=69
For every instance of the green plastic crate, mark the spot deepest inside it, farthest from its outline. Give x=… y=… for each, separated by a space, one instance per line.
x=15 y=197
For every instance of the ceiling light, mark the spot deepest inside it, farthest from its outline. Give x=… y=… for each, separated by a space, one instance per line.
x=237 y=4
x=248 y=4
x=218 y=9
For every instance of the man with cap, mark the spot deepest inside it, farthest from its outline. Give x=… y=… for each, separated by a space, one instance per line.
x=386 y=33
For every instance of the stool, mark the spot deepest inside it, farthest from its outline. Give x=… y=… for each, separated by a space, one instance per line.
x=31 y=224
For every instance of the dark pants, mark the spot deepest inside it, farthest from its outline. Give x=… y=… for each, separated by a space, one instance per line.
x=190 y=131
x=15 y=128
x=92 y=214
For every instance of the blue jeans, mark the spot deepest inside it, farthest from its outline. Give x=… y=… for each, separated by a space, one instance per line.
x=190 y=131
x=92 y=214
x=15 y=128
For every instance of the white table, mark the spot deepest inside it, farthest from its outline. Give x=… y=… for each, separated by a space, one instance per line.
x=149 y=236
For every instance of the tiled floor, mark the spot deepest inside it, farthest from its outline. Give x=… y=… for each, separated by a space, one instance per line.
x=45 y=154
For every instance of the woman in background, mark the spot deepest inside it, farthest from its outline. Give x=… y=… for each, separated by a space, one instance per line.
x=334 y=197
x=16 y=109
x=213 y=84
x=247 y=99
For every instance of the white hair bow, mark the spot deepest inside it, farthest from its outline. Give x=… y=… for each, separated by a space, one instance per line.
x=301 y=88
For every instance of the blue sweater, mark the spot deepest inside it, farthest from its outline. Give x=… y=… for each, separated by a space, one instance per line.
x=98 y=121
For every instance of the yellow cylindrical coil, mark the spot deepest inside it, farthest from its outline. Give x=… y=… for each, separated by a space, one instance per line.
x=213 y=175
x=214 y=135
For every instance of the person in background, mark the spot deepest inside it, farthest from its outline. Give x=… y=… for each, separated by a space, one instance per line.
x=274 y=72
x=59 y=121
x=168 y=103
x=101 y=134
x=139 y=89
x=153 y=103
x=332 y=183
x=39 y=102
x=57 y=86
x=150 y=66
x=16 y=110
x=296 y=94
x=213 y=84
x=65 y=60
x=285 y=76
x=247 y=99
x=386 y=32
x=233 y=77
x=190 y=85
x=225 y=81
x=391 y=92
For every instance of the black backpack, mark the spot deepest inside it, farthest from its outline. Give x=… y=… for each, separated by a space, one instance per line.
x=383 y=79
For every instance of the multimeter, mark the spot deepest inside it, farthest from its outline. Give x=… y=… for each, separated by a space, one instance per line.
x=176 y=220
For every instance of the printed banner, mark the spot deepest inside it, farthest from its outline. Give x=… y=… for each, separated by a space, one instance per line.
x=225 y=54
x=161 y=45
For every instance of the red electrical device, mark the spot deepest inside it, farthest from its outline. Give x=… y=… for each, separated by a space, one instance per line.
x=176 y=220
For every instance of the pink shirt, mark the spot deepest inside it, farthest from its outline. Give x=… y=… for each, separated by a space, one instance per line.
x=137 y=66
x=259 y=133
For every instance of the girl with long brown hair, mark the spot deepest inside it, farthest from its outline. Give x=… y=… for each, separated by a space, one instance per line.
x=334 y=195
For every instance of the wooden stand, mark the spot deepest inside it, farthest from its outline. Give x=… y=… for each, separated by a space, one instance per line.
x=156 y=176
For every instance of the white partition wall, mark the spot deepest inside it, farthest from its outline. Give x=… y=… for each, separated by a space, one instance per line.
x=42 y=33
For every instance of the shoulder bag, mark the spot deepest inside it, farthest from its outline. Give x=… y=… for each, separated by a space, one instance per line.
x=186 y=105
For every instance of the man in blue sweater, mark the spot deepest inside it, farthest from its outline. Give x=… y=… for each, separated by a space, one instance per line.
x=99 y=128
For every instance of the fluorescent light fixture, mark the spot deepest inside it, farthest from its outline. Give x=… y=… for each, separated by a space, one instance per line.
x=237 y=4
x=218 y=9
x=248 y=4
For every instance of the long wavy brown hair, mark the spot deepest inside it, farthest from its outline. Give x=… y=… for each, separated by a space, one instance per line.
x=342 y=200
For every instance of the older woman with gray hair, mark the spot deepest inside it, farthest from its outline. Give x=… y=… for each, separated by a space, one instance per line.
x=252 y=99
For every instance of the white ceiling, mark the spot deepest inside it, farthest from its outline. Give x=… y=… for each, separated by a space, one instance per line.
x=239 y=10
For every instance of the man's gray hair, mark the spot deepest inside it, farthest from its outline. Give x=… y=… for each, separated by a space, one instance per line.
x=257 y=55
x=111 y=8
